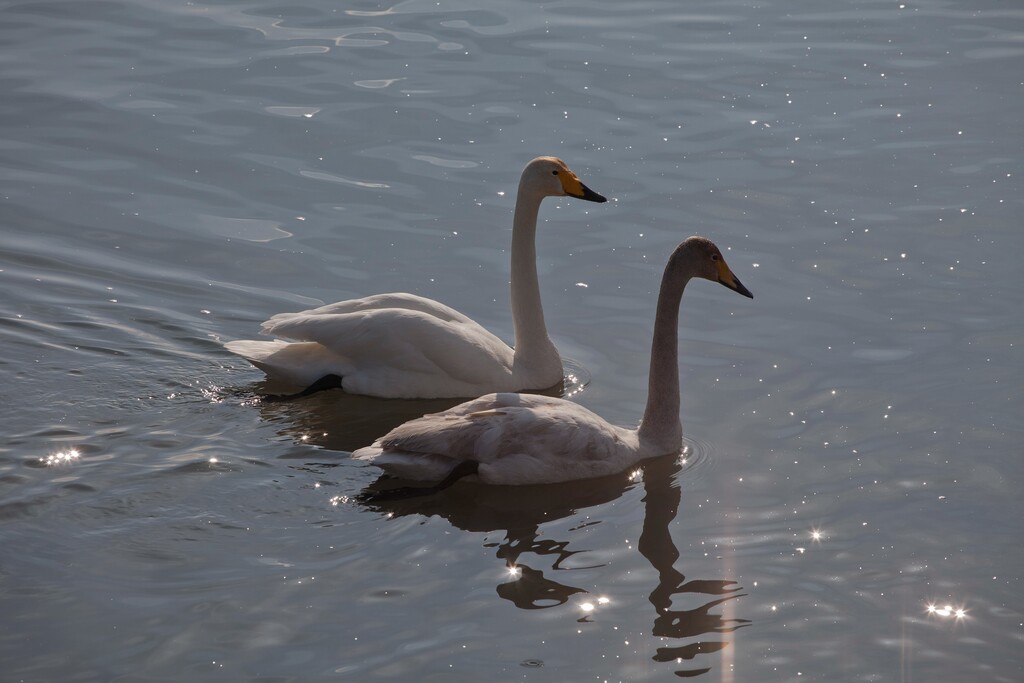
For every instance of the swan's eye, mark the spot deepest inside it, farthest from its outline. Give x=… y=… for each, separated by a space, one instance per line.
x=554 y=173
x=714 y=257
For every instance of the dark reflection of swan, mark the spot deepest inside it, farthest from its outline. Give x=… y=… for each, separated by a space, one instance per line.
x=661 y=503
x=519 y=511
x=339 y=421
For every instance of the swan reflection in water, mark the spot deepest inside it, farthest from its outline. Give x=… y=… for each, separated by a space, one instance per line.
x=519 y=511
x=336 y=420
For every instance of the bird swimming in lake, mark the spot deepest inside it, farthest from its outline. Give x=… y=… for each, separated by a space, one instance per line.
x=508 y=438
x=407 y=346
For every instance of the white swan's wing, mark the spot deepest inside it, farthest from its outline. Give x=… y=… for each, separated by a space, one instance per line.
x=395 y=345
x=515 y=438
x=403 y=353
x=393 y=300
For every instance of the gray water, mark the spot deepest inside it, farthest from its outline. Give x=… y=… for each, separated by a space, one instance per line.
x=848 y=506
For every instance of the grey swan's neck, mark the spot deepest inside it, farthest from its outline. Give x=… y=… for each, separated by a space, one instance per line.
x=660 y=429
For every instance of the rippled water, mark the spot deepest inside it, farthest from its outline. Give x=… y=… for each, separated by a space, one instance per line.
x=847 y=509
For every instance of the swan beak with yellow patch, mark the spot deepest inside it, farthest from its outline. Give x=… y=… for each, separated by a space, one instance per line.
x=726 y=278
x=574 y=188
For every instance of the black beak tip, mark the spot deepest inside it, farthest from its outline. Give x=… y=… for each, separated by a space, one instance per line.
x=738 y=287
x=591 y=196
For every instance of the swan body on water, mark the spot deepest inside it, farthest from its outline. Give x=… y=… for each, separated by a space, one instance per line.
x=508 y=438
x=407 y=346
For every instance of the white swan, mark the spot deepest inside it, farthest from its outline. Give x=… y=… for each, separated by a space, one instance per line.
x=532 y=439
x=406 y=346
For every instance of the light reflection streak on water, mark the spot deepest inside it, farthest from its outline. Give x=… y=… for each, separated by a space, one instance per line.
x=946 y=611
x=589 y=606
x=61 y=457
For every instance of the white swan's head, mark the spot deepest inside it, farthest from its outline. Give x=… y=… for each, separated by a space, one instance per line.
x=700 y=257
x=551 y=177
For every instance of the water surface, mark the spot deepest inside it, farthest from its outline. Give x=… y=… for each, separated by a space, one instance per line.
x=173 y=173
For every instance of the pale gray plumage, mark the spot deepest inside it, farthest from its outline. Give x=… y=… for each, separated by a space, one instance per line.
x=531 y=439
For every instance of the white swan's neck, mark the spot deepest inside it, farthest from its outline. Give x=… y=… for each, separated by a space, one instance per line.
x=533 y=348
x=660 y=431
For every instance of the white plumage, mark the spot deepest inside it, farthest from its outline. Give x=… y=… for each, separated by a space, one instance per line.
x=528 y=439
x=407 y=346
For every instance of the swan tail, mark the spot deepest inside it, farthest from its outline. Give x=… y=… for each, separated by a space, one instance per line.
x=302 y=364
x=425 y=467
x=463 y=468
x=255 y=351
